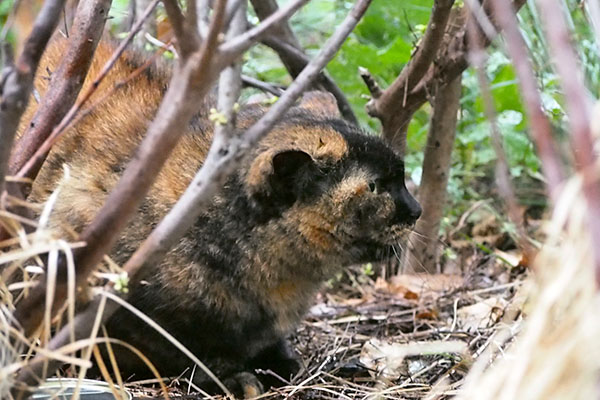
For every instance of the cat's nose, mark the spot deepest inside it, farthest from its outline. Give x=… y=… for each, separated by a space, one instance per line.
x=408 y=209
x=416 y=211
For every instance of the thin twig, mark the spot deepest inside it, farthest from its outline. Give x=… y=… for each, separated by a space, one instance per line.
x=579 y=106
x=24 y=148
x=383 y=106
x=295 y=60
x=540 y=125
x=235 y=46
x=264 y=86
x=17 y=79
x=288 y=47
x=478 y=60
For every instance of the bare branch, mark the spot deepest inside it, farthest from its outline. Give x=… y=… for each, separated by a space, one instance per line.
x=395 y=96
x=187 y=41
x=579 y=106
x=230 y=82
x=541 y=127
x=450 y=61
x=295 y=60
x=232 y=7
x=17 y=79
x=242 y=42
x=287 y=46
x=478 y=11
x=202 y=16
x=478 y=58
x=578 y=102
x=26 y=145
x=427 y=49
x=423 y=243
x=264 y=86
x=66 y=80
x=263 y=9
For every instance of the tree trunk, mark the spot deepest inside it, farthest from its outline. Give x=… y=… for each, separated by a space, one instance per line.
x=423 y=244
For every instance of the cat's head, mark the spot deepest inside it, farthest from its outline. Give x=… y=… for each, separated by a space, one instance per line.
x=342 y=190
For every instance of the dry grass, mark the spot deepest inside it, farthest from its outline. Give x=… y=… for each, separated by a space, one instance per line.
x=556 y=355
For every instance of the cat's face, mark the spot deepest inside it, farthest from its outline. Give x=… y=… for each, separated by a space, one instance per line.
x=343 y=191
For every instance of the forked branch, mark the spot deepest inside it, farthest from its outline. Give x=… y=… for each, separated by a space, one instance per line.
x=287 y=46
x=396 y=105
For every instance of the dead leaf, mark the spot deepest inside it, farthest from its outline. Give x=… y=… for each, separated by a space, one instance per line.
x=512 y=258
x=427 y=315
x=416 y=286
x=481 y=315
x=386 y=360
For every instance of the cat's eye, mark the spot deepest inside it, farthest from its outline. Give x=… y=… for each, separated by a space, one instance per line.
x=373 y=187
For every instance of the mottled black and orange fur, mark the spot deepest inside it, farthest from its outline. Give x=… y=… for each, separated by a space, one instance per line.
x=315 y=195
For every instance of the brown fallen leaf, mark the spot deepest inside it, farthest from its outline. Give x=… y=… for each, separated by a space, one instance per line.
x=481 y=315
x=415 y=286
x=386 y=360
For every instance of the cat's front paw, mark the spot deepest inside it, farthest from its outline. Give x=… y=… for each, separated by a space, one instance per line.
x=244 y=385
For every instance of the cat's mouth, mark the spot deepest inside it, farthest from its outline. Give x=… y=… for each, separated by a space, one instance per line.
x=395 y=233
x=380 y=247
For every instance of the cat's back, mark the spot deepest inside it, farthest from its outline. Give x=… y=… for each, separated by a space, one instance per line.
x=97 y=147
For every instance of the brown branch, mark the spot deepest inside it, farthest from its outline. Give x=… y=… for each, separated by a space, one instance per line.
x=394 y=97
x=293 y=57
x=32 y=165
x=450 y=61
x=17 y=79
x=295 y=60
x=235 y=46
x=230 y=81
x=264 y=86
x=578 y=105
x=423 y=243
x=540 y=125
x=66 y=81
x=478 y=59
x=187 y=39
x=263 y=9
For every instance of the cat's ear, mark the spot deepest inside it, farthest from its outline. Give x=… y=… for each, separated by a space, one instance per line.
x=288 y=163
x=320 y=103
x=279 y=175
